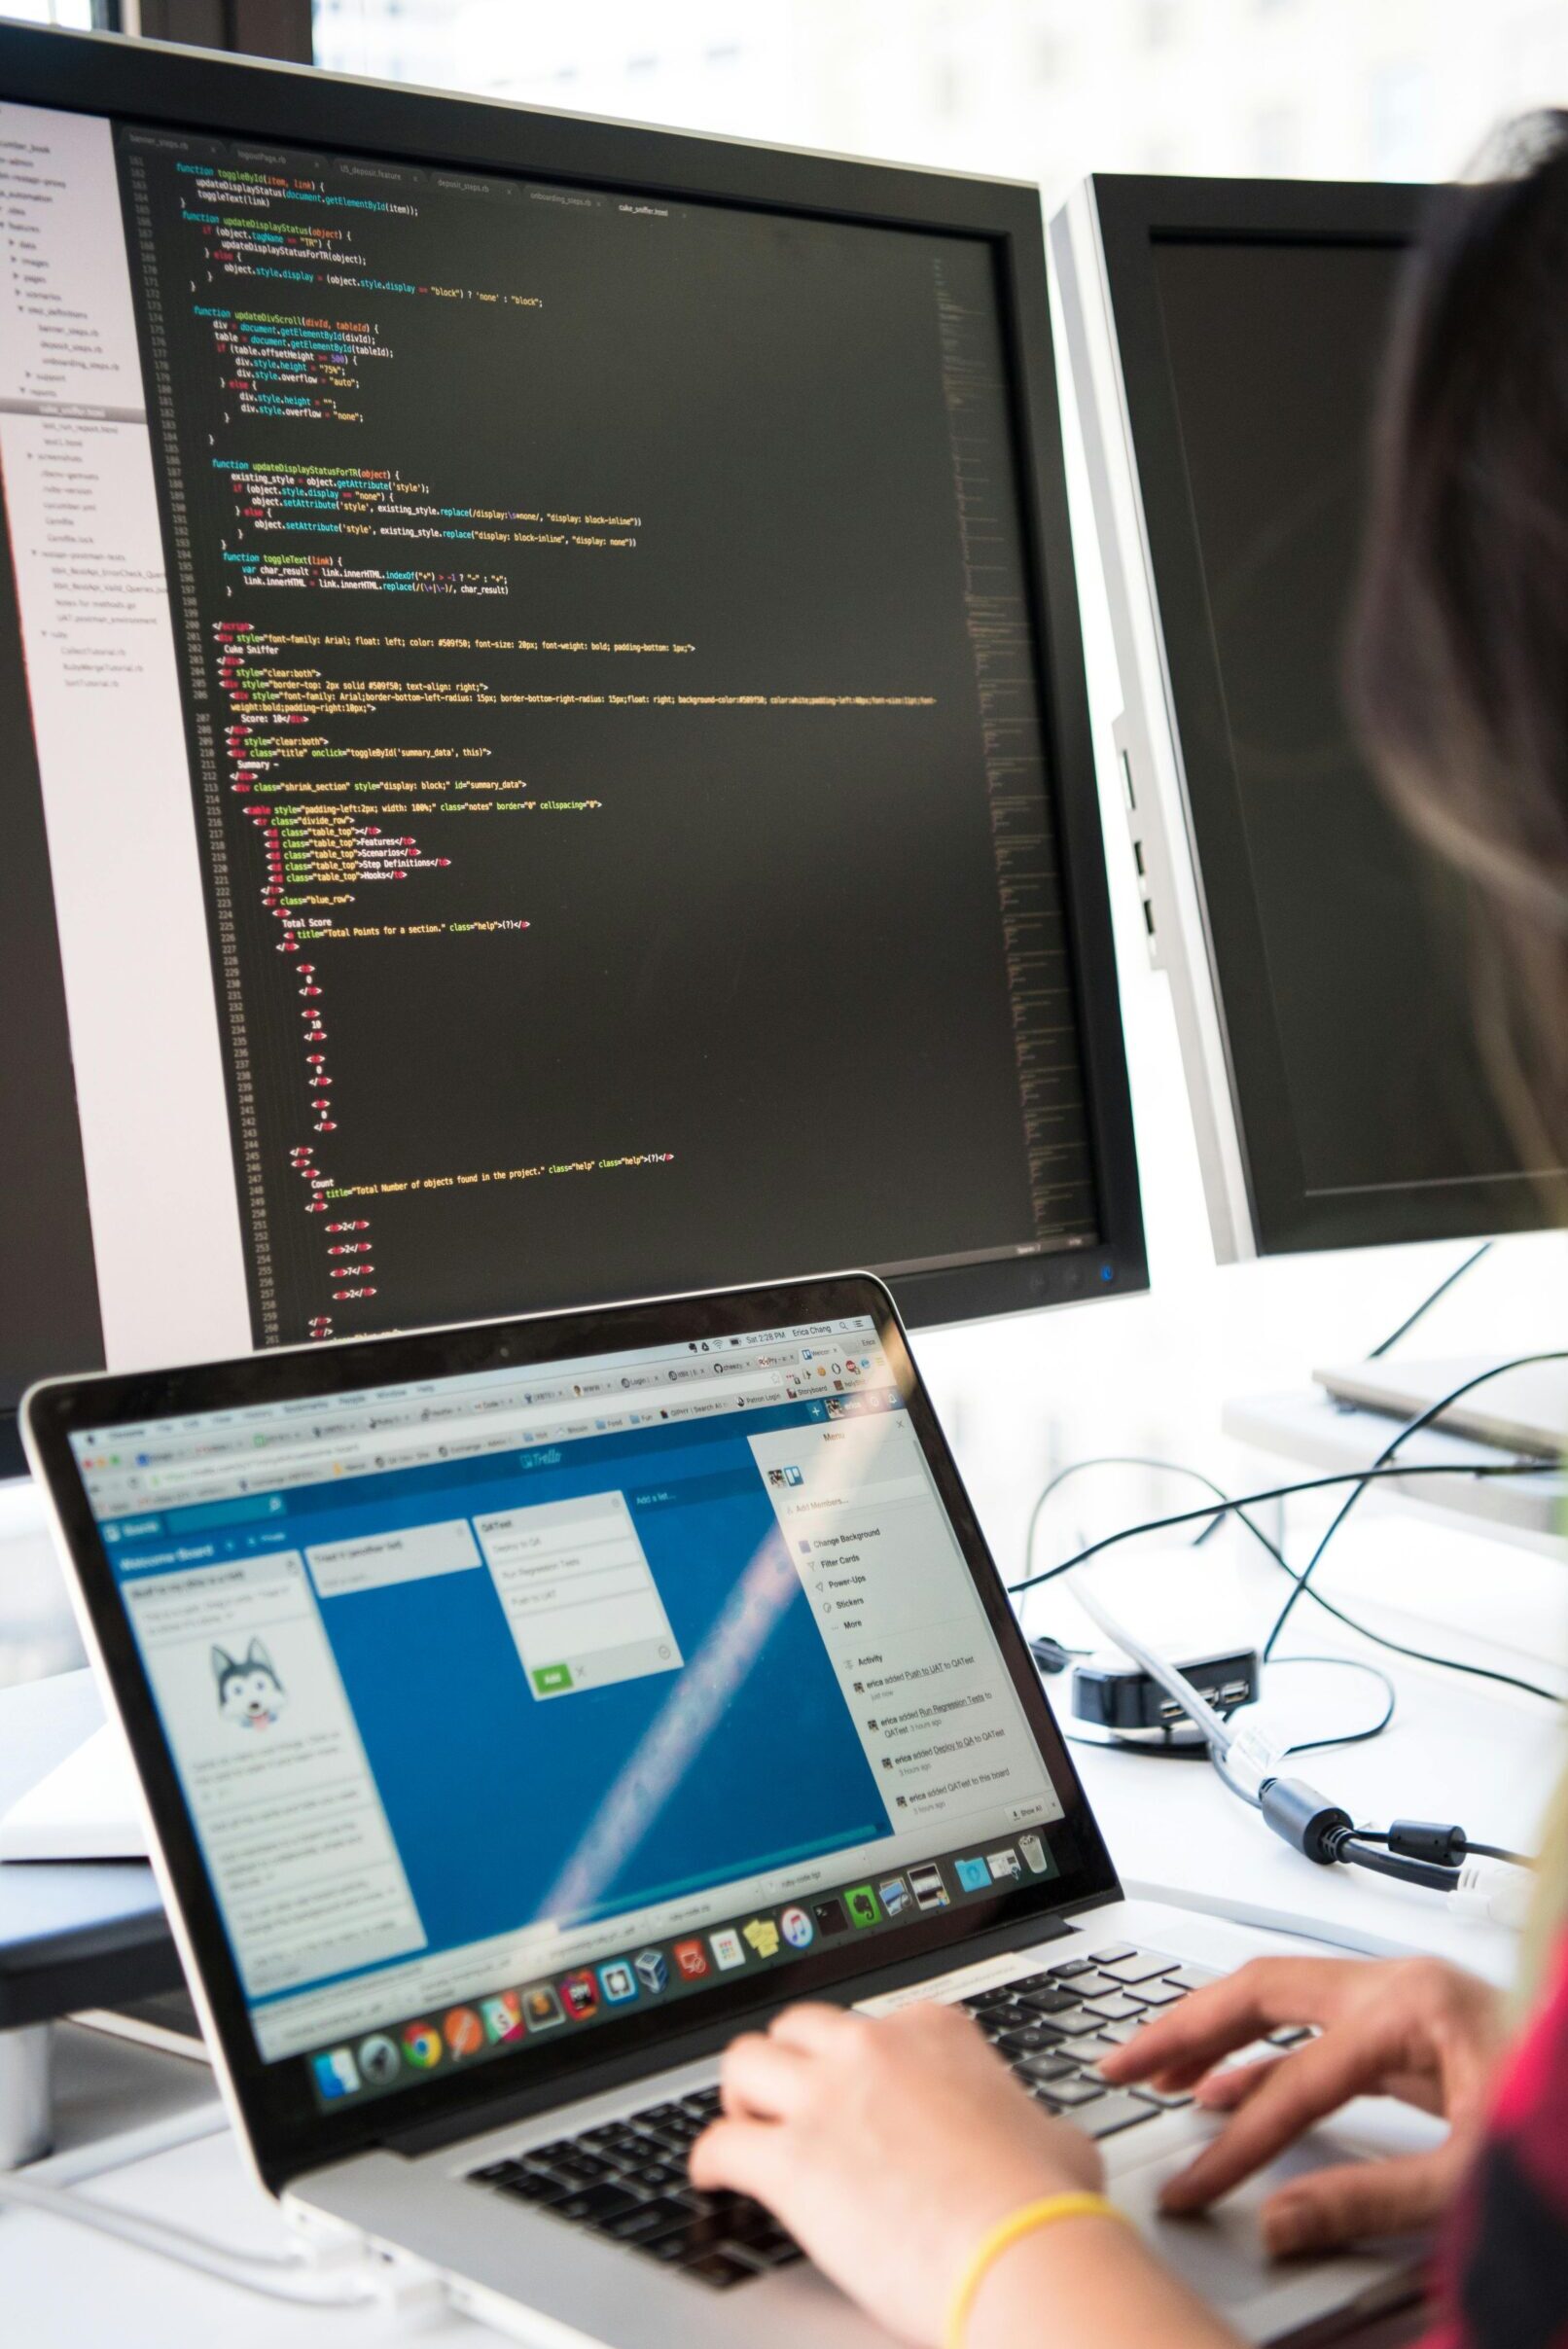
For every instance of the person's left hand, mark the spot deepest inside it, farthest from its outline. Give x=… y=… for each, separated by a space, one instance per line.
x=888 y=2148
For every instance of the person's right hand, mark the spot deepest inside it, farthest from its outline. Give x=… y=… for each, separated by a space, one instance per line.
x=1413 y=2028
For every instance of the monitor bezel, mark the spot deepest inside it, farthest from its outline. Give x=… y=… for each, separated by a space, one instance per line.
x=1134 y=215
x=287 y=2132
x=157 y=84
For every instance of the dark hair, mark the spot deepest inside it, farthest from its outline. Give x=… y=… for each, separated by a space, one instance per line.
x=1458 y=664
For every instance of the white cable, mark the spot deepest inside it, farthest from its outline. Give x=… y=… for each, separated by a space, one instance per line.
x=1176 y=1684
x=1495 y=1891
x=106 y=2155
x=279 y=2276
x=1250 y=1760
x=1244 y=1757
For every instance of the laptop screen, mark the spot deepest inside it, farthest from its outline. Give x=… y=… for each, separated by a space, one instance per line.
x=511 y=1704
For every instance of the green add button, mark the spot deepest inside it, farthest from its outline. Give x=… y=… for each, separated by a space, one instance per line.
x=550 y=1679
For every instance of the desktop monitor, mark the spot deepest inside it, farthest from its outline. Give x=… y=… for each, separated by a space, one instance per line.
x=1225 y=341
x=542 y=724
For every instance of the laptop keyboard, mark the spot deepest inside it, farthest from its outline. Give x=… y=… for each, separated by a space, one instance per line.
x=628 y=2180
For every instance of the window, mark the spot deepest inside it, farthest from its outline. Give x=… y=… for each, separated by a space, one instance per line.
x=1276 y=142
x=76 y=16
x=1400 y=99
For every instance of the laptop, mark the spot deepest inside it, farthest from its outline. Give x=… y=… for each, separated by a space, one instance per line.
x=522 y=1709
x=1520 y=1410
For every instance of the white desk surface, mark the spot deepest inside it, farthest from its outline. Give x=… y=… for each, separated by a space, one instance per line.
x=66 y=2289
x=1455 y=1750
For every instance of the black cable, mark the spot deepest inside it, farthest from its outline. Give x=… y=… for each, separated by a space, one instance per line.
x=1286 y=1492
x=1168 y=1468
x=1052 y=1655
x=1414 y=1851
x=1426 y=1302
x=1361 y=1852
x=1425 y=1655
x=1352 y=1663
x=1227 y=1503
x=1413 y=1427
x=1471 y=1850
x=1364 y=1847
x=1181 y=1468
x=1057 y=1659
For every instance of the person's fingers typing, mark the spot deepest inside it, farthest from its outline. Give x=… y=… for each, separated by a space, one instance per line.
x=1225 y=2089
x=815 y=2030
x=742 y=2156
x=763 y=2078
x=1177 y=2047
x=1296 y=2093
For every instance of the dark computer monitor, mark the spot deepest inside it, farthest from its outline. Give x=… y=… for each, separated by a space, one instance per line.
x=1227 y=339
x=543 y=730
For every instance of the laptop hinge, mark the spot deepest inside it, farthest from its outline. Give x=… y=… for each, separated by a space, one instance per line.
x=493 y=2112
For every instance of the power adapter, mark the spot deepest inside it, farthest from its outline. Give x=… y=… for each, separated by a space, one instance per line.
x=1127 y=1702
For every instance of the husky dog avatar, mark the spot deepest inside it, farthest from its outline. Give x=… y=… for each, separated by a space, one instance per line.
x=250 y=1692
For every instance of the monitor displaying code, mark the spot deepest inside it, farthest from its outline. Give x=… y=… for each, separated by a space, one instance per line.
x=590 y=639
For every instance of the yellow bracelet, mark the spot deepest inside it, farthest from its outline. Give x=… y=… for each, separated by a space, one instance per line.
x=1007 y=2232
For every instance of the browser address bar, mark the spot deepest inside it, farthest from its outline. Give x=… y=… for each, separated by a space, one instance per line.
x=388 y=1449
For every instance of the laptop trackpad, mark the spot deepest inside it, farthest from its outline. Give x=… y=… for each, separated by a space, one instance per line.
x=1220 y=2254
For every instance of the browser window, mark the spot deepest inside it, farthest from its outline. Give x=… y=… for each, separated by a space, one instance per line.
x=508 y=1703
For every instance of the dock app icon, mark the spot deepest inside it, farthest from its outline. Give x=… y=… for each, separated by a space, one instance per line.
x=653 y=1970
x=337 y=2074
x=580 y=1995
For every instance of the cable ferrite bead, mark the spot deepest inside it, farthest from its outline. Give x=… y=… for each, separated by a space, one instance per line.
x=1306 y=1820
x=1429 y=1839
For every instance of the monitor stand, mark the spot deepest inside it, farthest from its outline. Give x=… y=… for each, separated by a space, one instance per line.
x=90 y=1934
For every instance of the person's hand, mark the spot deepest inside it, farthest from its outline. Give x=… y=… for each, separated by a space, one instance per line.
x=1411 y=2028
x=888 y=2148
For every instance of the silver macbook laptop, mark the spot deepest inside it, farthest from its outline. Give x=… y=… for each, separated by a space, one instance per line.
x=522 y=1709
x=1519 y=1410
